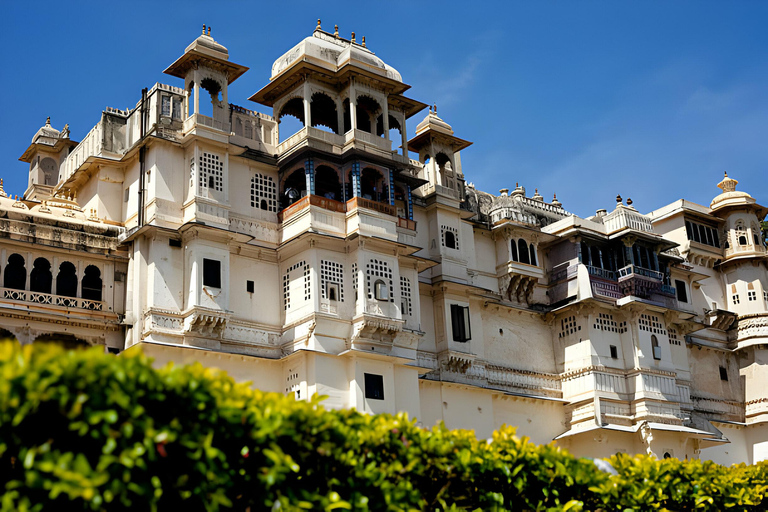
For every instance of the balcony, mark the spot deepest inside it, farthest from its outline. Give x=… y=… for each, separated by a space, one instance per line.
x=370 y=218
x=47 y=299
x=314 y=137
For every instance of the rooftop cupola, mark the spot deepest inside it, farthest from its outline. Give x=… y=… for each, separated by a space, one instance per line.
x=438 y=150
x=205 y=64
x=44 y=155
x=732 y=197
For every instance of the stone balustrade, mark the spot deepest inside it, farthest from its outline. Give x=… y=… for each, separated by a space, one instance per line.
x=52 y=300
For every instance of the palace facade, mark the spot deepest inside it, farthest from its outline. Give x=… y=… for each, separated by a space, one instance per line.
x=351 y=261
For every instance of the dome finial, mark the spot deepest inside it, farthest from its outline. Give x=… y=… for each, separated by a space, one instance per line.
x=353 y=37
x=629 y=201
x=203 y=28
x=363 y=41
x=2 y=190
x=209 y=31
x=335 y=31
x=318 y=24
x=48 y=121
x=435 y=108
x=618 y=199
x=728 y=184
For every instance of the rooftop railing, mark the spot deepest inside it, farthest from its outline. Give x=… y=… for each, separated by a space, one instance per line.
x=623 y=219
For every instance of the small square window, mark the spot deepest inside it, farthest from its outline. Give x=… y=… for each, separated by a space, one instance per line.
x=752 y=295
x=374 y=386
x=211 y=273
x=723 y=373
x=614 y=352
x=736 y=299
x=249 y=286
x=173 y=242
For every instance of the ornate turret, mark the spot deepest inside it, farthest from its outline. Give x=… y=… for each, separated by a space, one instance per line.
x=48 y=149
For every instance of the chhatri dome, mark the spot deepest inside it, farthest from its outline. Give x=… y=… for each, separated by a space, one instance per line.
x=332 y=52
x=730 y=196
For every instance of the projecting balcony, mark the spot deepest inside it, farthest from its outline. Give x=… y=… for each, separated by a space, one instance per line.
x=317 y=213
x=337 y=144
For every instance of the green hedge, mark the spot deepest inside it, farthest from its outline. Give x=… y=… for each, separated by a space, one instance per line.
x=81 y=430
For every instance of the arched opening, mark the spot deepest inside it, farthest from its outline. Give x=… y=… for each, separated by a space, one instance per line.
x=347 y=122
x=450 y=240
x=49 y=170
x=68 y=341
x=15 y=273
x=66 y=280
x=513 y=247
x=323 y=113
x=395 y=134
x=40 y=279
x=446 y=170
x=294 y=109
x=263 y=205
x=373 y=185
x=380 y=290
x=6 y=335
x=366 y=113
x=327 y=183
x=522 y=251
x=294 y=188
x=92 y=283
x=532 y=250
x=213 y=88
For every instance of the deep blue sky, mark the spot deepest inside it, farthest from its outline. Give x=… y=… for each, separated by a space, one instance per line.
x=652 y=100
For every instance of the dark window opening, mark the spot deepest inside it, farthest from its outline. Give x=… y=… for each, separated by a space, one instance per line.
x=742 y=240
x=66 y=280
x=174 y=242
x=15 y=273
x=522 y=251
x=450 y=240
x=211 y=273
x=723 y=373
x=41 y=278
x=460 y=323
x=249 y=286
x=614 y=352
x=514 y=250
x=92 y=283
x=533 y=255
x=682 y=294
x=374 y=386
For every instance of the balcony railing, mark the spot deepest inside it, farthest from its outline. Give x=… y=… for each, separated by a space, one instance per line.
x=50 y=299
x=616 y=221
x=601 y=272
x=337 y=206
x=311 y=200
x=668 y=290
x=630 y=270
x=406 y=223
x=200 y=119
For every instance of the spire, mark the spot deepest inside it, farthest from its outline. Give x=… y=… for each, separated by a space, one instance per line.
x=2 y=191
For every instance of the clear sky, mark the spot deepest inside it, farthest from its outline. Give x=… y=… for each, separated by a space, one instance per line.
x=652 y=100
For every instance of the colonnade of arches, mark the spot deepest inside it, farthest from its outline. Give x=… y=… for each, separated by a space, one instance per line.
x=322 y=111
x=41 y=278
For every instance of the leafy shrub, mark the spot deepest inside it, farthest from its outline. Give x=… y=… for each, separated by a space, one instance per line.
x=81 y=430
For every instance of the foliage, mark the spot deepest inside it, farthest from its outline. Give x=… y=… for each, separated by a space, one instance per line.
x=82 y=430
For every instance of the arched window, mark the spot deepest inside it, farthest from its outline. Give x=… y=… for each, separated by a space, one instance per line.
x=92 y=283
x=741 y=233
x=380 y=290
x=532 y=250
x=40 y=279
x=327 y=183
x=450 y=240
x=66 y=280
x=15 y=273
x=294 y=187
x=655 y=347
x=294 y=108
x=522 y=251
x=513 y=245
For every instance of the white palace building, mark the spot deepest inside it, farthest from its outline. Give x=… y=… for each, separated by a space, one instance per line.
x=330 y=262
